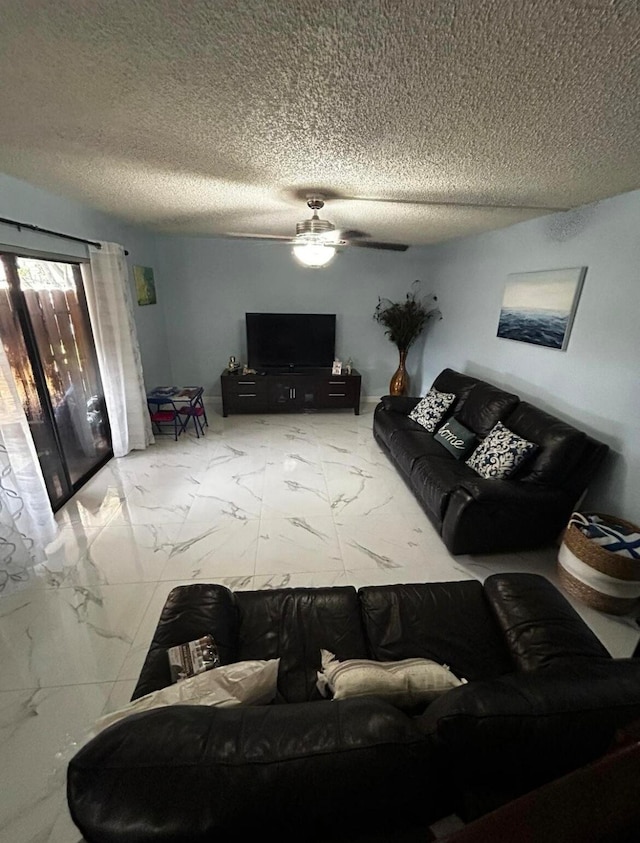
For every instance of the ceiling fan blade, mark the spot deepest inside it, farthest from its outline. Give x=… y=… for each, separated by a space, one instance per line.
x=373 y=244
x=351 y=234
x=238 y=236
x=300 y=193
x=354 y=237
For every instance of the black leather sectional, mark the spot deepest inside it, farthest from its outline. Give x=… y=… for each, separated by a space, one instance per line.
x=543 y=697
x=479 y=515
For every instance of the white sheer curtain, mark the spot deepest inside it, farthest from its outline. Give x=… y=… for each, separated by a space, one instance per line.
x=27 y=524
x=110 y=308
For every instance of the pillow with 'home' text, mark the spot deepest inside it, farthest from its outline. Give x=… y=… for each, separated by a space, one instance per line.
x=430 y=411
x=456 y=438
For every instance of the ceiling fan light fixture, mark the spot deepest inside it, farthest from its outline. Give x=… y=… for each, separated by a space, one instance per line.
x=313 y=253
x=310 y=247
x=312 y=250
x=314 y=226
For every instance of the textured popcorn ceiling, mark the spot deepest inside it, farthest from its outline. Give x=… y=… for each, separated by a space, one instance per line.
x=420 y=120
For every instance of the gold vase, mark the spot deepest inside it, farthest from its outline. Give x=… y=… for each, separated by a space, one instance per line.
x=399 y=383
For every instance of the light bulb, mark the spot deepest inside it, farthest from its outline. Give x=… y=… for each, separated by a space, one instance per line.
x=313 y=254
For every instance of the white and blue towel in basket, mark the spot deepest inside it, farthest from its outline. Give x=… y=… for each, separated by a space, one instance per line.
x=613 y=537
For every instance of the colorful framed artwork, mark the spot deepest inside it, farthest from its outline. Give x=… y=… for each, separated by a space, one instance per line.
x=539 y=307
x=145 y=285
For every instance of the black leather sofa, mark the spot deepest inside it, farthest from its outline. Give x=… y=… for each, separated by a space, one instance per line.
x=597 y=803
x=474 y=514
x=543 y=697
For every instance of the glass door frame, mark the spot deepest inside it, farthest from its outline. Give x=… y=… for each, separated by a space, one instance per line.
x=31 y=345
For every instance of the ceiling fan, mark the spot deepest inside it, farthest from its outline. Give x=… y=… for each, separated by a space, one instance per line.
x=316 y=240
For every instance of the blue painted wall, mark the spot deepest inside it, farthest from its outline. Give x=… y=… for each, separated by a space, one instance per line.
x=205 y=286
x=595 y=383
x=211 y=283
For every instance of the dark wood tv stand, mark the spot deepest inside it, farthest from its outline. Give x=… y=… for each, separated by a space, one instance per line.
x=289 y=390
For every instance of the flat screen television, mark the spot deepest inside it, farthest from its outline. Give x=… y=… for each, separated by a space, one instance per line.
x=290 y=340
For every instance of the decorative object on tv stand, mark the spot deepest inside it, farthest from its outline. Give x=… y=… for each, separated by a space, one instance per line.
x=539 y=307
x=403 y=322
x=233 y=365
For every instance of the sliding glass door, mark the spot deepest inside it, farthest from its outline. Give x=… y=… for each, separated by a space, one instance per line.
x=46 y=333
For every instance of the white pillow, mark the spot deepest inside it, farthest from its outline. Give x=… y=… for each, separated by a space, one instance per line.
x=248 y=683
x=404 y=683
x=431 y=409
x=240 y=683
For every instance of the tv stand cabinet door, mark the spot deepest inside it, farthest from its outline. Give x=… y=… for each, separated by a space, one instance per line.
x=287 y=393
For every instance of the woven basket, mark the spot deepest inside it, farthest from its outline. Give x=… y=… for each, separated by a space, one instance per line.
x=610 y=582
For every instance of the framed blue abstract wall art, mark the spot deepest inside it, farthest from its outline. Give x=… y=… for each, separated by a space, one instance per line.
x=539 y=307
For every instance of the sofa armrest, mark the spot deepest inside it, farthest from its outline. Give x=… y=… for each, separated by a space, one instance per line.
x=190 y=612
x=402 y=404
x=539 y=624
x=198 y=773
x=536 y=725
x=493 y=516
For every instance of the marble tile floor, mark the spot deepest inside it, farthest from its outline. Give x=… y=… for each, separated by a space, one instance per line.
x=258 y=502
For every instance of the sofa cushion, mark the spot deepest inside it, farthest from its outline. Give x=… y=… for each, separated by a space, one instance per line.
x=455 y=438
x=451 y=381
x=294 y=624
x=501 y=453
x=308 y=771
x=434 y=479
x=485 y=405
x=388 y=422
x=450 y=623
x=407 y=446
x=430 y=411
x=560 y=446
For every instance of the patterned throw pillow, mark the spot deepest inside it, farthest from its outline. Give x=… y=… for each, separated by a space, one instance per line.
x=429 y=411
x=500 y=453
